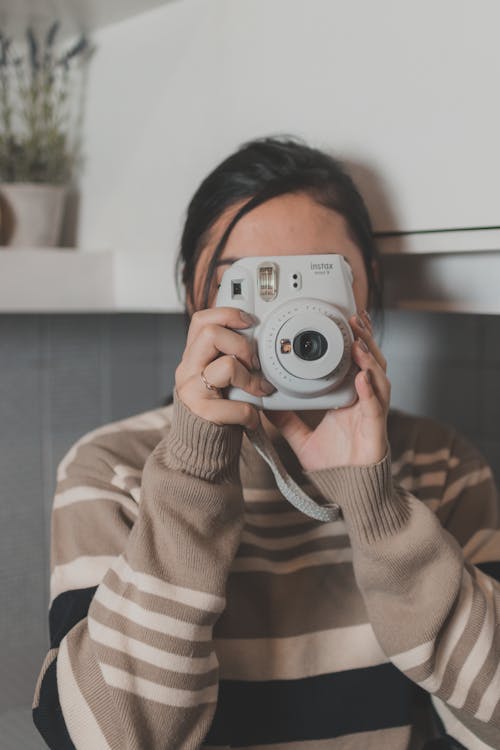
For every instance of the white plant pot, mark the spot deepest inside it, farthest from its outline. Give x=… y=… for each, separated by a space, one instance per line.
x=31 y=213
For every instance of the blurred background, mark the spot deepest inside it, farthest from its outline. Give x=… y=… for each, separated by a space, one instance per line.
x=91 y=328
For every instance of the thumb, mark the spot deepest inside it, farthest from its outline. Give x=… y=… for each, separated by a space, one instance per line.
x=292 y=427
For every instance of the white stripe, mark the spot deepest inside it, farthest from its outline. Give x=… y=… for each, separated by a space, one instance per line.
x=151 y=585
x=325 y=530
x=456 y=729
x=80 y=720
x=81 y=573
x=90 y=494
x=152 y=620
x=155 y=692
x=479 y=652
x=150 y=654
x=414 y=657
x=455 y=627
x=295 y=657
x=324 y=557
x=490 y=698
x=290 y=518
x=471 y=479
x=155 y=419
x=124 y=471
x=483 y=546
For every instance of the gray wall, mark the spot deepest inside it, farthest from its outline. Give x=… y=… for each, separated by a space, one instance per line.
x=62 y=375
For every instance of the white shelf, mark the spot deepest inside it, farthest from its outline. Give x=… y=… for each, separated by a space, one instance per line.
x=448 y=241
x=56 y=280
x=75 y=15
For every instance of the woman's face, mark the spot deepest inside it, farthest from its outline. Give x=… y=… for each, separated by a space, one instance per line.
x=291 y=224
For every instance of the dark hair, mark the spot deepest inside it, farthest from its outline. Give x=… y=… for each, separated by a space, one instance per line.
x=257 y=171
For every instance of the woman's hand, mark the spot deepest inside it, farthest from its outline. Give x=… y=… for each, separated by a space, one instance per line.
x=352 y=435
x=225 y=357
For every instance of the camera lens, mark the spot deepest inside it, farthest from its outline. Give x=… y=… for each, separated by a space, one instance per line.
x=310 y=345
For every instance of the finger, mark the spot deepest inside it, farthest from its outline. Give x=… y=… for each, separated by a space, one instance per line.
x=223 y=411
x=228 y=370
x=231 y=317
x=369 y=402
x=292 y=427
x=213 y=340
x=379 y=381
x=366 y=334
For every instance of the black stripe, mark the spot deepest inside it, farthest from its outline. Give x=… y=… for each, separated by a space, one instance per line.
x=491 y=569
x=66 y=611
x=48 y=717
x=314 y=708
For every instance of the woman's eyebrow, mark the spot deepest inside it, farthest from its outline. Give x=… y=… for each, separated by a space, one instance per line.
x=224 y=261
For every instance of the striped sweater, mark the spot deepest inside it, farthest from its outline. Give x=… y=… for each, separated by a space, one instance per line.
x=193 y=607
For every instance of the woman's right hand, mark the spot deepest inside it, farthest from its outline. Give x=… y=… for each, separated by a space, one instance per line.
x=226 y=358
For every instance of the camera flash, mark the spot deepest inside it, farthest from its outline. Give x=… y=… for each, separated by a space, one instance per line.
x=285 y=346
x=268 y=281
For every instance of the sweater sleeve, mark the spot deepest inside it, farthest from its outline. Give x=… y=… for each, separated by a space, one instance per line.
x=136 y=589
x=432 y=594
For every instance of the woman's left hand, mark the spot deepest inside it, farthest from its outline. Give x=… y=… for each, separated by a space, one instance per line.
x=351 y=435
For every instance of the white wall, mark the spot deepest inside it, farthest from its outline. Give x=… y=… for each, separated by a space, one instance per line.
x=406 y=91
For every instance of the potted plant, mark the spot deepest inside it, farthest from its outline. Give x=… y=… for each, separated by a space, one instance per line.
x=37 y=157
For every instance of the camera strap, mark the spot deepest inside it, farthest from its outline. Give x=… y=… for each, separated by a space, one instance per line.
x=288 y=486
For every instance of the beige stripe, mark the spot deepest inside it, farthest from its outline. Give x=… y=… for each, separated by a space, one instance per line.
x=152 y=620
x=423 y=459
x=325 y=557
x=325 y=530
x=154 y=638
x=427 y=479
x=292 y=553
x=150 y=420
x=299 y=656
x=151 y=585
x=477 y=655
x=456 y=729
x=81 y=573
x=472 y=479
x=91 y=494
x=138 y=650
x=157 y=604
x=490 y=699
x=118 y=678
x=80 y=721
x=277 y=519
x=483 y=546
x=454 y=631
x=266 y=494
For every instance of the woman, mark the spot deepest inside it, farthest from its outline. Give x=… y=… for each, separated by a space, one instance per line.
x=192 y=606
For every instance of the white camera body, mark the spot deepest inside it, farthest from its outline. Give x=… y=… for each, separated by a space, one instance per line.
x=302 y=305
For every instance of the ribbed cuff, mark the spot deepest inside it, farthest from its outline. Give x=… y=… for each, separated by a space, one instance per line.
x=371 y=506
x=200 y=447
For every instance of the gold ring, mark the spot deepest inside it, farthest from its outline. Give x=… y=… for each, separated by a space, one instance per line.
x=206 y=383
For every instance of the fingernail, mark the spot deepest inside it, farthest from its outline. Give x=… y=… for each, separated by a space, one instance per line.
x=360 y=322
x=363 y=345
x=266 y=386
x=247 y=318
x=255 y=362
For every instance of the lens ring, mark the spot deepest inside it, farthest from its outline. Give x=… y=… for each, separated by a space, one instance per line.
x=310 y=345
